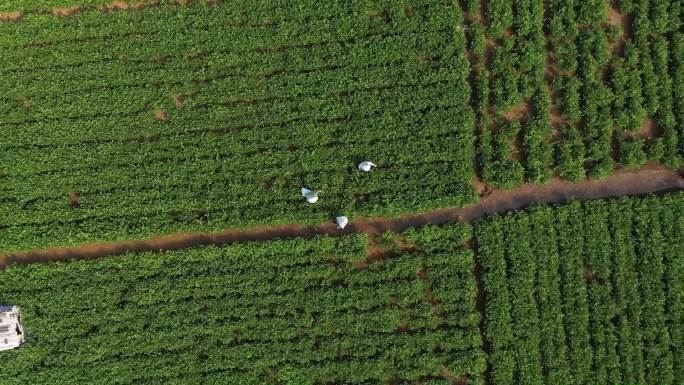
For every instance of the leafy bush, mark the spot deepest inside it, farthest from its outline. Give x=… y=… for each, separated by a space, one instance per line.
x=570 y=155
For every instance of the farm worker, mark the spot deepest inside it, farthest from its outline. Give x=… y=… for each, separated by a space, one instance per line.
x=366 y=165
x=311 y=196
x=342 y=222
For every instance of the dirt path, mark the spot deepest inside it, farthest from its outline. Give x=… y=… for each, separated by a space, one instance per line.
x=650 y=179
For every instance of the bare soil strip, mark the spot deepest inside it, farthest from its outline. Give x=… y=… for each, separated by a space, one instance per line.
x=66 y=12
x=10 y=17
x=650 y=179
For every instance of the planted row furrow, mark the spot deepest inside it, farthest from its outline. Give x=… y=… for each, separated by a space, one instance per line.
x=243 y=112
x=550 y=303
x=266 y=152
x=225 y=62
x=201 y=38
x=658 y=359
x=599 y=312
x=625 y=287
x=379 y=317
x=597 y=266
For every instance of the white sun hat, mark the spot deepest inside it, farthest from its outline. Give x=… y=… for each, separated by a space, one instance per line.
x=311 y=196
x=342 y=222
x=366 y=165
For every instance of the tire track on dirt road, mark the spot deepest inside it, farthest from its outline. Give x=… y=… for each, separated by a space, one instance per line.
x=649 y=179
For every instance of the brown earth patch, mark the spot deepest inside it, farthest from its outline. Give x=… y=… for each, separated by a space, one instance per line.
x=490 y=43
x=359 y=265
x=118 y=5
x=553 y=93
x=177 y=100
x=272 y=376
x=382 y=14
x=195 y=54
x=592 y=276
x=472 y=18
x=453 y=378
x=517 y=112
x=405 y=246
x=160 y=59
x=623 y=21
x=479 y=186
x=550 y=68
x=65 y=12
x=422 y=274
x=74 y=199
x=648 y=130
x=472 y=57
x=161 y=116
x=379 y=251
x=333 y=260
x=651 y=178
x=557 y=118
x=378 y=254
x=402 y=327
x=24 y=102
x=516 y=145
x=426 y=59
x=10 y=17
x=614 y=17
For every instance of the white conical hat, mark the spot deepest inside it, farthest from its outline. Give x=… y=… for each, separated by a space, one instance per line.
x=342 y=222
x=311 y=196
x=366 y=165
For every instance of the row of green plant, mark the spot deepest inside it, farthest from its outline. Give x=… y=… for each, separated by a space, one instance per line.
x=116 y=128
x=305 y=311
x=585 y=293
x=41 y=12
x=578 y=293
x=614 y=93
x=229 y=136
x=181 y=184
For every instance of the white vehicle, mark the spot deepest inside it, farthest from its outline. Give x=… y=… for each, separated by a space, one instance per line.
x=311 y=196
x=11 y=331
x=342 y=222
x=366 y=165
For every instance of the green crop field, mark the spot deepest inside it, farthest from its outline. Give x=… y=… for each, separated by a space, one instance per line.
x=121 y=124
x=259 y=101
x=586 y=294
x=200 y=121
x=291 y=312
x=580 y=293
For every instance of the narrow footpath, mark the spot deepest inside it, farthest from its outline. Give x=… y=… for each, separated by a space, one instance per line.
x=650 y=179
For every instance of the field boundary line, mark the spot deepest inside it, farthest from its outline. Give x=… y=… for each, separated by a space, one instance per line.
x=650 y=179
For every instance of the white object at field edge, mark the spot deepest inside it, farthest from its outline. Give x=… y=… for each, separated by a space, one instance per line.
x=366 y=165
x=11 y=331
x=311 y=196
x=342 y=222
